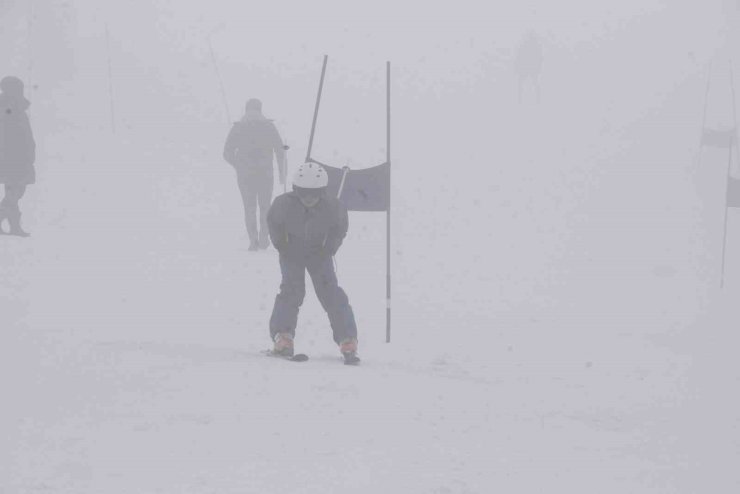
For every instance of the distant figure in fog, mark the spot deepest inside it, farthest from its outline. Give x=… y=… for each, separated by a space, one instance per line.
x=249 y=148
x=17 y=152
x=528 y=64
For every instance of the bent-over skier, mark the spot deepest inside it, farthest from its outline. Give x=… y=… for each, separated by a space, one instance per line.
x=307 y=228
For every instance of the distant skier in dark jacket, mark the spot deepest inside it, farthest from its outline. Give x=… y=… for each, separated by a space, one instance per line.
x=307 y=228
x=249 y=148
x=17 y=152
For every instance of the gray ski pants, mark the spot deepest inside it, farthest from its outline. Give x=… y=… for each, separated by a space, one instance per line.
x=293 y=290
x=256 y=187
x=13 y=195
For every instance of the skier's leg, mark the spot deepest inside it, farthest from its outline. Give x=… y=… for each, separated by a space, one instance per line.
x=333 y=299
x=4 y=210
x=10 y=199
x=265 y=199
x=292 y=292
x=247 y=188
x=18 y=192
x=13 y=194
x=6 y=198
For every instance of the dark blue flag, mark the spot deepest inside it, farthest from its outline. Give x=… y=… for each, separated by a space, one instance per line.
x=363 y=190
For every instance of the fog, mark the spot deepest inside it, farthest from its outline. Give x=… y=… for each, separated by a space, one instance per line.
x=562 y=316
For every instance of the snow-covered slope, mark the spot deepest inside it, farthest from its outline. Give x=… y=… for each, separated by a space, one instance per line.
x=558 y=325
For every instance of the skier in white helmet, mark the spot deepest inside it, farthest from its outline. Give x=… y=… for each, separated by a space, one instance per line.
x=307 y=228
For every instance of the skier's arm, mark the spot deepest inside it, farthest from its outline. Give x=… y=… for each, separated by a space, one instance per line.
x=279 y=150
x=230 y=148
x=338 y=231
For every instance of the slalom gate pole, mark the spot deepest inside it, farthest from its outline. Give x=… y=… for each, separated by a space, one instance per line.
x=706 y=105
x=388 y=212
x=220 y=81
x=316 y=109
x=729 y=175
x=285 y=167
x=734 y=103
x=110 y=81
x=31 y=14
x=724 y=236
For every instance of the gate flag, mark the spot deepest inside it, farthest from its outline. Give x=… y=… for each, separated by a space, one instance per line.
x=361 y=190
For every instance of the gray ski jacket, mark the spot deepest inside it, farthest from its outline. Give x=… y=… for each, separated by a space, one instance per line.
x=251 y=144
x=298 y=231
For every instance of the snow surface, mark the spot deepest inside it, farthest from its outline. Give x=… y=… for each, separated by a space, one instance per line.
x=558 y=325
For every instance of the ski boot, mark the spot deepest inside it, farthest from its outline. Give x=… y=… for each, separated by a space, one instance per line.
x=283 y=345
x=348 y=348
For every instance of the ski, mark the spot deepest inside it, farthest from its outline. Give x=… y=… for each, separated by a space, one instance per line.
x=298 y=357
x=348 y=359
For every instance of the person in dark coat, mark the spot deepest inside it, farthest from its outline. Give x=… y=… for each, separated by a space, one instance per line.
x=17 y=152
x=249 y=148
x=307 y=227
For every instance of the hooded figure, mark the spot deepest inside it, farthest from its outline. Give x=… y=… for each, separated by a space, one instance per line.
x=17 y=152
x=249 y=148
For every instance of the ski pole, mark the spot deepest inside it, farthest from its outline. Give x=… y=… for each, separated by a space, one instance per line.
x=285 y=167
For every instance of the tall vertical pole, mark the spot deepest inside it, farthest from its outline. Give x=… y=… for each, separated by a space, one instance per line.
x=220 y=82
x=285 y=166
x=706 y=104
x=110 y=81
x=388 y=212
x=734 y=107
x=733 y=143
x=30 y=50
x=724 y=236
x=316 y=109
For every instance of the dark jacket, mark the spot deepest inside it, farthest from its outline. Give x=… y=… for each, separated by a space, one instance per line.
x=296 y=230
x=17 y=147
x=252 y=143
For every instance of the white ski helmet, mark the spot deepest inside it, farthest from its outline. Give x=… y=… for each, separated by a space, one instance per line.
x=310 y=176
